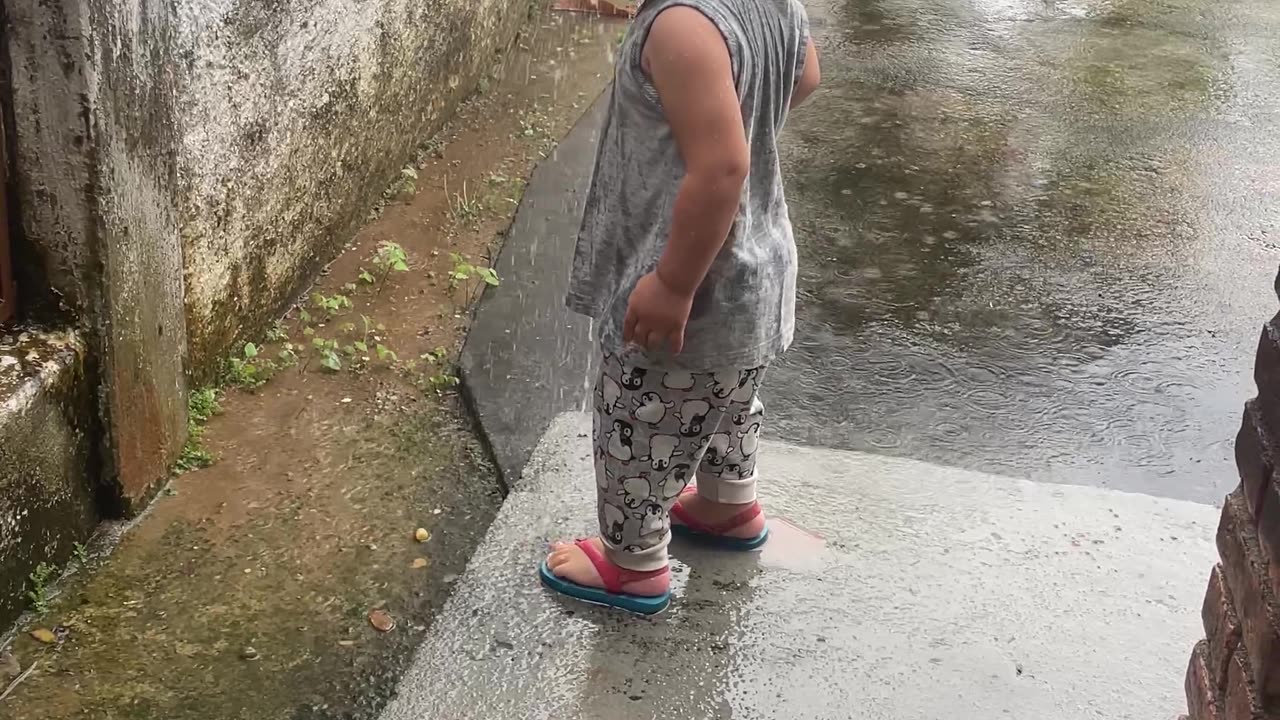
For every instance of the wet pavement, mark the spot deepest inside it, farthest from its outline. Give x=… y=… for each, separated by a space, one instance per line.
x=1038 y=242
x=968 y=597
x=1038 y=237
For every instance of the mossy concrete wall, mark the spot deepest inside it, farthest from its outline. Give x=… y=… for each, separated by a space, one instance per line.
x=46 y=453
x=294 y=118
x=184 y=170
x=93 y=96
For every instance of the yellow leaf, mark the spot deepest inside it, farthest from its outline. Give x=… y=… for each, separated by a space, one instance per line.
x=420 y=563
x=45 y=636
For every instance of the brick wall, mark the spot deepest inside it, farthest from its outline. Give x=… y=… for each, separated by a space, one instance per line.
x=1234 y=673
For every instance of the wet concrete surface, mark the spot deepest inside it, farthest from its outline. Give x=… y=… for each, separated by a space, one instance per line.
x=518 y=376
x=1038 y=236
x=891 y=589
x=1037 y=243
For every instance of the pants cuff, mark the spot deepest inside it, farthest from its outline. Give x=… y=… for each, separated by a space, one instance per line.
x=728 y=492
x=646 y=560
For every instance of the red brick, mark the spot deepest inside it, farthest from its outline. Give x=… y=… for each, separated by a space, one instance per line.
x=1250 y=590
x=1255 y=457
x=1221 y=628
x=1268 y=530
x=1203 y=702
x=1240 y=699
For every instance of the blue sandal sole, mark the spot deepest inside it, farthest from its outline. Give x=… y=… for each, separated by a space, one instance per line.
x=637 y=604
x=721 y=542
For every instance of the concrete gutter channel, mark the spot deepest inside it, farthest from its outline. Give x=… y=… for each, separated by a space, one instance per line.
x=527 y=358
x=967 y=595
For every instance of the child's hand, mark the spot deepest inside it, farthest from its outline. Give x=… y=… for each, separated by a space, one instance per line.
x=657 y=314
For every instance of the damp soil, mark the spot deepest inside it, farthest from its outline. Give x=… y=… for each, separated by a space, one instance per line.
x=249 y=588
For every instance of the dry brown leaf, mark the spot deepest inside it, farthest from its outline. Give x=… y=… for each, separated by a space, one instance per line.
x=381 y=620
x=420 y=563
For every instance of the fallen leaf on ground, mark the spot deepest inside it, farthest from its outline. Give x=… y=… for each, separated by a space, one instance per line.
x=420 y=563
x=421 y=535
x=45 y=636
x=347 y=643
x=381 y=620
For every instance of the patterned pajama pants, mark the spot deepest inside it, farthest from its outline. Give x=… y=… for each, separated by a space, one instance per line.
x=655 y=432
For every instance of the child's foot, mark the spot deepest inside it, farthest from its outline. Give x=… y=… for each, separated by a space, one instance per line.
x=569 y=562
x=720 y=518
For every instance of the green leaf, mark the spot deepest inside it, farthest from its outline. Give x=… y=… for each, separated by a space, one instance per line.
x=362 y=346
x=330 y=360
x=304 y=316
x=399 y=266
x=366 y=277
x=250 y=351
x=308 y=331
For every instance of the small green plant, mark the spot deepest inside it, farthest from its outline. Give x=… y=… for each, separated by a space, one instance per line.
x=327 y=351
x=438 y=377
x=248 y=371
x=80 y=553
x=391 y=257
x=470 y=278
x=408 y=179
x=331 y=304
x=40 y=594
x=288 y=355
x=277 y=332
x=201 y=406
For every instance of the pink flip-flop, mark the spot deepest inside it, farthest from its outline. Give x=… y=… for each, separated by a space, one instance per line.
x=614 y=578
x=717 y=535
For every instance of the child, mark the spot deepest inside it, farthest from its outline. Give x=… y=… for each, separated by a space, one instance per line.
x=687 y=262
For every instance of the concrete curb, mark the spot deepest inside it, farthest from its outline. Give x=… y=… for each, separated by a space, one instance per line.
x=527 y=358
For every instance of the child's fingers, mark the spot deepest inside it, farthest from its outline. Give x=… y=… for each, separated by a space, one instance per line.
x=640 y=335
x=676 y=340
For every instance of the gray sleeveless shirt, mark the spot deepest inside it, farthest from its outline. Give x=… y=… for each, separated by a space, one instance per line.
x=744 y=312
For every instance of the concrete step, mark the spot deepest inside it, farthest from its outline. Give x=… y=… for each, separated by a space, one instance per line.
x=46 y=457
x=891 y=589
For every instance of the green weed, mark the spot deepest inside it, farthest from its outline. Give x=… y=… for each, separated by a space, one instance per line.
x=40 y=593
x=201 y=406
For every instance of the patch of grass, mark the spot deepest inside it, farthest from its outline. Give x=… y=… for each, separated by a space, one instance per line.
x=202 y=405
x=463 y=207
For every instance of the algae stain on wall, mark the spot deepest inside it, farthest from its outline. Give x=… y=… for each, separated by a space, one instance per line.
x=293 y=117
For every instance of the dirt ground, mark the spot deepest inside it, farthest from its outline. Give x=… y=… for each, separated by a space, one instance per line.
x=251 y=588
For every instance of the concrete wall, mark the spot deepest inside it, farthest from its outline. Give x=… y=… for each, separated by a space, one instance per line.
x=95 y=151
x=47 y=431
x=294 y=117
x=184 y=169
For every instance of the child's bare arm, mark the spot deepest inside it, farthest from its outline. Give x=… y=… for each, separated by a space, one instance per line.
x=690 y=67
x=809 y=79
x=688 y=62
